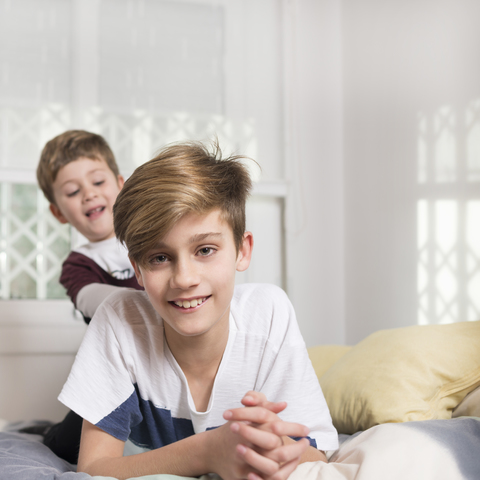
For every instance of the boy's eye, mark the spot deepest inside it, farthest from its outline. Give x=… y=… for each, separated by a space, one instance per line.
x=206 y=251
x=97 y=184
x=72 y=194
x=159 y=259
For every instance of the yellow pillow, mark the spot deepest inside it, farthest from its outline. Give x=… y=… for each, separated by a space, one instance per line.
x=404 y=374
x=324 y=356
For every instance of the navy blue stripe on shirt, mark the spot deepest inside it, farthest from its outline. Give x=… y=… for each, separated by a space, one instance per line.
x=312 y=441
x=149 y=426
x=119 y=422
x=145 y=424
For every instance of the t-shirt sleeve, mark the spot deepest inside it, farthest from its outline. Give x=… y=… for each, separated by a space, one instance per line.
x=78 y=271
x=100 y=387
x=286 y=372
x=91 y=296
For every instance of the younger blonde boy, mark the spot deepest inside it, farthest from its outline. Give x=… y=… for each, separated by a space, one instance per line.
x=79 y=176
x=195 y=372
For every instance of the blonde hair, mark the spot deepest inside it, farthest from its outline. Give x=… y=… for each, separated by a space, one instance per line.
x=182 y=178
x=68 y=147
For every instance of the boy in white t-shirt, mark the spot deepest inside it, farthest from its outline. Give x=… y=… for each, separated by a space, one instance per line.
x=79 y=176
x=194 y=372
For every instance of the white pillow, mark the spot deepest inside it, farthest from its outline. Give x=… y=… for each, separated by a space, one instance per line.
x=469 y=406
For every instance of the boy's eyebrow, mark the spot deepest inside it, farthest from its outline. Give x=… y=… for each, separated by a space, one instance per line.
x=74 y=179
x=199 y=237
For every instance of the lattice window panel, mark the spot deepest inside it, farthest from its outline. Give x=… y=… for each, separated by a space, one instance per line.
x=24 y=131
x=33 y=244
x=136 y=136
x=448 y=216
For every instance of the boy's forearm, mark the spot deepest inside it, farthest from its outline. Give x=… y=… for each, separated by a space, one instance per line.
x=187 y=457
x=92 y=295
x=313 y=455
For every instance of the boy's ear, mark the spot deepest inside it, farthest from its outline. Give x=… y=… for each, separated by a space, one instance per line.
x=120 y=181
x=57 y=213
x=138 y=273
x=245 y=252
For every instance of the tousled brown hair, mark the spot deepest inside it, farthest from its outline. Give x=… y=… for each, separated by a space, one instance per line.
x=68 y=147
x=182 y=178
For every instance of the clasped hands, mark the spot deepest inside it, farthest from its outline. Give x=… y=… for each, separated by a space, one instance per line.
x=263 y=449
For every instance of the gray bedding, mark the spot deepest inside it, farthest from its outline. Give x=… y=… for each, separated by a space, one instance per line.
x=24 y=457
x=428 y=450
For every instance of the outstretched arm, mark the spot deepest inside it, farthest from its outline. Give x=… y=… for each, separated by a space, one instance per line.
x=91 y=296
x=216 y=451
x=102 y=454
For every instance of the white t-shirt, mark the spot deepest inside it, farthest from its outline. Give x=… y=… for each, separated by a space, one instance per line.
x=111 y=255
x=126 y=381
x=85 y=285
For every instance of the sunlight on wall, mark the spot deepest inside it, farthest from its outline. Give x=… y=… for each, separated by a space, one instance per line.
x=473 y=259
x=445 y=151
x=448 y=216
x=473 y=142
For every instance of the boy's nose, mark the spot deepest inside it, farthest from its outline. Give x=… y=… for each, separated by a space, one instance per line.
x=89 y=193
x=185 y=275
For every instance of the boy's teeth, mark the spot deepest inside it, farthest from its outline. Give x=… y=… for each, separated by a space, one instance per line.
x=95 y=210
x=189 y=303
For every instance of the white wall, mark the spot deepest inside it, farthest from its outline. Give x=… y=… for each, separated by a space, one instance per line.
x=313 y=106
x=383 y=142
x=404 y=63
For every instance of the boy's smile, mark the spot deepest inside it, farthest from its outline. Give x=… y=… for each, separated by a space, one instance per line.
x=191 y=275
x=85 y=191
x=190 y=303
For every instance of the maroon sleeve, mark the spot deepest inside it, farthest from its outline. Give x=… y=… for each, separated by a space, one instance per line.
x=79 y=270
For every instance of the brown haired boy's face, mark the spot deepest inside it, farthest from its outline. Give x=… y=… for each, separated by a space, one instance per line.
x=85 y=191
x=191 y=275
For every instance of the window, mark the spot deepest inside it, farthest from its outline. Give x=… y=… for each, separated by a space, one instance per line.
x=142 y=73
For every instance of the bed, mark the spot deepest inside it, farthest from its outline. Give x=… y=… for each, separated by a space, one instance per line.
x=406 y=404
